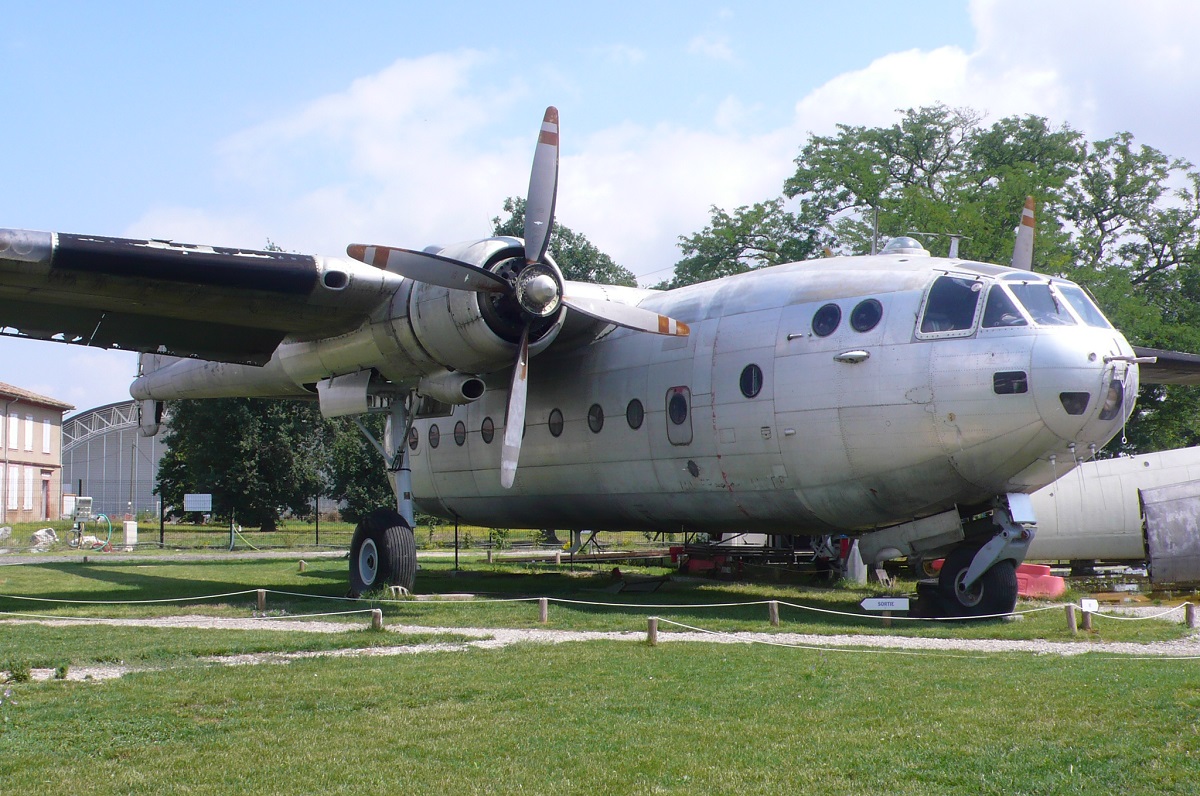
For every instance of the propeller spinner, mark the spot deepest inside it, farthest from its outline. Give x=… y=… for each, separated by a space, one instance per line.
x=537 y=288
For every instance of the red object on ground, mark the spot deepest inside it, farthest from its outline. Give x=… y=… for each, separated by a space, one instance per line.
x=1033 y=580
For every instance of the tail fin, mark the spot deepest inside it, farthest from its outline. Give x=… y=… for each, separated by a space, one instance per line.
x=1023 y=249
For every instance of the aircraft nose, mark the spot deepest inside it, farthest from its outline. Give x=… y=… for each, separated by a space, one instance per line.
x=1081 y=392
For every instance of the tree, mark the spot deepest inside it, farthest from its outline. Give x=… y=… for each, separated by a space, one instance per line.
x=578 y=258
x=753 y=237
x=256 y=457
x=357 y=476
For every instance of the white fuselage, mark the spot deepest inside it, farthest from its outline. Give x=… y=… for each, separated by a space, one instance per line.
x=848 y=431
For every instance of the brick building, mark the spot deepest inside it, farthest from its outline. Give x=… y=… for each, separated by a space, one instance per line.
x=30 y=455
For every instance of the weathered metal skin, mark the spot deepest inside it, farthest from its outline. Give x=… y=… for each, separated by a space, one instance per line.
x=913 y=429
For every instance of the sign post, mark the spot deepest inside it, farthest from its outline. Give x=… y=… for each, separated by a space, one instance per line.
x=887 y=605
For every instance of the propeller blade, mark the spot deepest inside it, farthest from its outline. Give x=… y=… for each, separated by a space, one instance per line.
x=627 y=315
x=514 y=421
x=543 y=188
x=432 y=269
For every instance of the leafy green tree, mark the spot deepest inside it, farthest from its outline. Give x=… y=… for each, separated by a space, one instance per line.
x=578 y=258
x=752 y=237
x=357 y=475
x=257 y=457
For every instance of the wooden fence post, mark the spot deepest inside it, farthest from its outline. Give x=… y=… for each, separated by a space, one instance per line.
x=773 y=612
x=1071 y=626
x=652 y=631
x=543 y=610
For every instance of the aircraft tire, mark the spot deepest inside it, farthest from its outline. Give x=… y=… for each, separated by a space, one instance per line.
x=994 y=593
x=383 y=553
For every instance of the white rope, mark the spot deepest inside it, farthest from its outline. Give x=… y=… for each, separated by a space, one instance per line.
x=820 y=648
x=126 y=602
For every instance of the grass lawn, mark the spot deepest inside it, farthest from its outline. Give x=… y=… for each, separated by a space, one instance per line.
x=613 y=718
x=595 y=717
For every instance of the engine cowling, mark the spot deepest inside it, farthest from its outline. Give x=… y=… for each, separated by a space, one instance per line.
x=473 y=332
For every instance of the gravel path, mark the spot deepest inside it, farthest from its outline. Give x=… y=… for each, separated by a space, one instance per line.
x=495 y=638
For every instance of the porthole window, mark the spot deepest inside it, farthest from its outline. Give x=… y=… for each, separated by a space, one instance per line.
x=866 y=315
x=751 y=381
x=635 y=413
x=413 y=439
x=460 y=433
x=556 y=423
x=435 y=436
x=487 y=430
x=677 y=409
x=825 y=321
x=596 y=418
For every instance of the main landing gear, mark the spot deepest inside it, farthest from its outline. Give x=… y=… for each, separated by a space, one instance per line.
x=383 y=551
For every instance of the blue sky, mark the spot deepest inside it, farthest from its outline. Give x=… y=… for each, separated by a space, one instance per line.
x=315 y=126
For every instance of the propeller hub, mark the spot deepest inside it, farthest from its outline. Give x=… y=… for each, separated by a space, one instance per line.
x=537 y=290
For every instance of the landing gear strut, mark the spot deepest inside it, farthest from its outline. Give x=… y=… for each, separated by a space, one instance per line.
x=982 y=580
x=995 y=592
x=383 y=551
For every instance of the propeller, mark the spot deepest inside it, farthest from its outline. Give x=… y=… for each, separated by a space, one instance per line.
x=538 y=288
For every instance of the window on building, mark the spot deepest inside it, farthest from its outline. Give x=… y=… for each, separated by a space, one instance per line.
x=14 y=432
x=13 y=485
x=27 y=504
x=29 y=432
x=45 y=436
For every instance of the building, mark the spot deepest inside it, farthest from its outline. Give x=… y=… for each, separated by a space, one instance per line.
x=106 y=458
x=31 y=462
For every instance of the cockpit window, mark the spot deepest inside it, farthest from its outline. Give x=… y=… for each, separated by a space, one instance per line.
x=951 y=306
x=1083 y=306
x=1000 y=311
x=1042 y=304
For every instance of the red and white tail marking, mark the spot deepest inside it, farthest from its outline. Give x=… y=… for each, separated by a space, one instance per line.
x=1023 y=247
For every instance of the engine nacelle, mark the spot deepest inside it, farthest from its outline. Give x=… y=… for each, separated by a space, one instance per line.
x=452 y=388
x=477 y=332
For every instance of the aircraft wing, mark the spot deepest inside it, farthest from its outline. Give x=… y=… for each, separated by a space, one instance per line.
x=220 y=304
x=1173 y=367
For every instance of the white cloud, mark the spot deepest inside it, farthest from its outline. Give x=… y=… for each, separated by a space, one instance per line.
x=714 y=47
x=622 y=54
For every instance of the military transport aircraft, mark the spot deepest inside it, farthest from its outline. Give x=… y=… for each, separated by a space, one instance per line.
x=909 y=400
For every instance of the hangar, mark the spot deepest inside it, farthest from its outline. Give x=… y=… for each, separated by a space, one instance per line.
x=104 y=456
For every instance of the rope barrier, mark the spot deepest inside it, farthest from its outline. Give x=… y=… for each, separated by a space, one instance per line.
x=127 y=602
x=820 y=648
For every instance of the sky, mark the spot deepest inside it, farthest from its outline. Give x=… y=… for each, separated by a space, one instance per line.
x=314 y=125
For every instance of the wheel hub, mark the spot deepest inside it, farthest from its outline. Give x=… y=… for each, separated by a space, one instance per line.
x=968 y=597
x=368 y=562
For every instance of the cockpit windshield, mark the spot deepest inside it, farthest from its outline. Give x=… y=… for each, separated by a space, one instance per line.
x=1042 y=304
x=1000 y=310
x=1083 y=306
